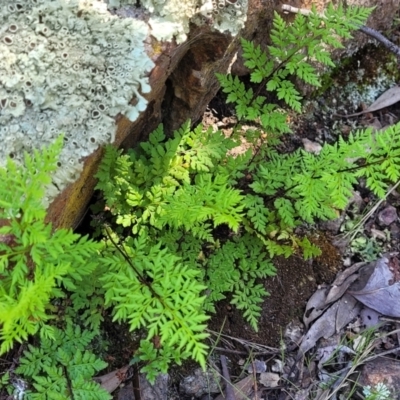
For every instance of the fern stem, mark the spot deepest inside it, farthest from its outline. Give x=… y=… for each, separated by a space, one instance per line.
x=126 y=258
x=357 y=167
x=278 y=67
x=69 y=385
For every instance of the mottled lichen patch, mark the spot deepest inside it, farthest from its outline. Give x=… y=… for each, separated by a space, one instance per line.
x=67 y=66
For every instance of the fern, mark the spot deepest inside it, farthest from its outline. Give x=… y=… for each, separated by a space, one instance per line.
x=62 y=367
x=208 y=199
x=155 y=291
x=191 y=224
x=166 y=277
x=164 y=260
x=233 y=269
x=295 y=49
x=36 y=264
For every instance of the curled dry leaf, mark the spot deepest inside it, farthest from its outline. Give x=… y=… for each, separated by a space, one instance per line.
x=375 y=285
x=325 y=296
x=316 y=305
x=381 y=291
x=338 y=315
x=112 y=380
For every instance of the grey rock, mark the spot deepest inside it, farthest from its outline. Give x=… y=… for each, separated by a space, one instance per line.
x=395 y=231
x=387 y=216
x=201 y=383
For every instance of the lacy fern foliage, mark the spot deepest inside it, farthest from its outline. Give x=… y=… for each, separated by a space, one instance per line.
x=62 y=367
x=188 y=223
x=154 y=290
x=36 y=264
x=166 y=273
x=295 y=50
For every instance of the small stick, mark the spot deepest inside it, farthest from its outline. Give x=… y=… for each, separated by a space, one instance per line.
x=296 y=10
x=380 y=38
x=230 y=393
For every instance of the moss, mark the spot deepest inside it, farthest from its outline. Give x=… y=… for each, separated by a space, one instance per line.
x=362 y=68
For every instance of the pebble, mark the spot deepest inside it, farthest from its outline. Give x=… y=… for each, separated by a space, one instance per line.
x=387 y=216
x=200 y=383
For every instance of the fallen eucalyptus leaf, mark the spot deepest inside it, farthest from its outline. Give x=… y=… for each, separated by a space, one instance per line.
x=349 y=309
x=382 y=290
x=324 y=296
x=315 y=306
x=369 y=317
x=338 y=315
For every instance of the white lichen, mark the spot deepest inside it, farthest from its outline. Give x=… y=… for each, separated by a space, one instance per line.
x=67 y=66
x=171 y=18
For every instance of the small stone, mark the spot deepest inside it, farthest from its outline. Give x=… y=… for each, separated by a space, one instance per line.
x=269 y=379
x=258 y=365
x=381 y=370
x=395 y=231
x=387 y=215
x=154 y=391
x=332 y=226
x=311 y=147
x=278 y=366
x=347 y=262
x=200 y=383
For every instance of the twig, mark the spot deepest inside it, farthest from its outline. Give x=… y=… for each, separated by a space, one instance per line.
x=245 y=353
x=380 y=38
x=295 y=10
x=230 y=393
x=245 y=342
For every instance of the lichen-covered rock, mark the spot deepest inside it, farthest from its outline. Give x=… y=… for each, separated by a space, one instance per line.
x=43 y=94
x=170 y=18
x=67 y=66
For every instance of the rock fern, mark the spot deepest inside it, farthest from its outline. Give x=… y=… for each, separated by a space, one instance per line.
x=296 y=51
x=192 y=218
x=36 y=263
x=63 y=367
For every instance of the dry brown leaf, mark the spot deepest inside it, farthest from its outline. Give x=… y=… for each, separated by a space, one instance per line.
x=349 y=309
x=338 y=315
x=382 y=290
x=112 y=380
x=336 y=292
x=325 y=296
x=342 y=276
x=322 y=327
x=315 y=306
